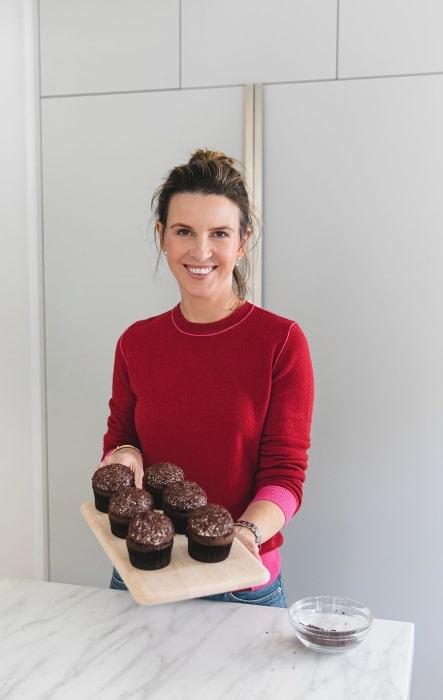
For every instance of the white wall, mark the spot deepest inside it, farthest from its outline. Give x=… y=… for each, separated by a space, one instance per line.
x=358 y=193
x=22 y=516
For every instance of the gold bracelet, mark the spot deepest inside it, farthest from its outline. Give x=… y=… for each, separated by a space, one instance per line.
x=120 y=447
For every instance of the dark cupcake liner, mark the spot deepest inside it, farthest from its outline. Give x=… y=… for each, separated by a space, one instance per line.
x=156 y=559
x=180 y=520
x=210 y=554
x=119 y=529
x=157 y=496
x=101 y=502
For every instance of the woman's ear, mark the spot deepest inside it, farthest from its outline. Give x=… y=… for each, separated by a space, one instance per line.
x=243 y=241
x=160 y=232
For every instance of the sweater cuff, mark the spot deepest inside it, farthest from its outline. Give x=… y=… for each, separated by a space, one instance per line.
x=281 y=497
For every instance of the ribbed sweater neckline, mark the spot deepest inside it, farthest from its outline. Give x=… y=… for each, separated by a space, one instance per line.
x=213 y=328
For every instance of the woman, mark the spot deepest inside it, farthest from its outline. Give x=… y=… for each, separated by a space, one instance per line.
x=216 y=385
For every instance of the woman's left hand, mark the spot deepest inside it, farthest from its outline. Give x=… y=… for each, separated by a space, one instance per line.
x=267 y=516
x=247 y=538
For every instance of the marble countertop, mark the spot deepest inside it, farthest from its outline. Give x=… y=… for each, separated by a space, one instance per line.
x=60 y=641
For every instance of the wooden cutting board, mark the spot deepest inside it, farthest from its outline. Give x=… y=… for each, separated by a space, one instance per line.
x=184 y=577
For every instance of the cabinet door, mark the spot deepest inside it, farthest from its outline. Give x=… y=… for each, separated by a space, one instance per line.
x=89 y=47
x=257 y=41
x=103 y=156
x=353 y=248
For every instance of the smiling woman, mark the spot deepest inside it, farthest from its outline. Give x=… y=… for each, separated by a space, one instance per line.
x=203 y=244
x=218 y=386
x=210 y=173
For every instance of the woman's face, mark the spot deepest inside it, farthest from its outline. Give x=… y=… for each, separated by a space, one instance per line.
x=202 y=241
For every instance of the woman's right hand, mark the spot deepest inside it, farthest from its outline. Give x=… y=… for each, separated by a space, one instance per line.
x=129 y=456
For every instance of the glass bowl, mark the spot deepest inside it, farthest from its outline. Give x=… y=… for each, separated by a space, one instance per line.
x=330 y=624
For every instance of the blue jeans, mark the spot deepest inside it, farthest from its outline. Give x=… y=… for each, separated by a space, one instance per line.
x=272 y=595
x=117 y=582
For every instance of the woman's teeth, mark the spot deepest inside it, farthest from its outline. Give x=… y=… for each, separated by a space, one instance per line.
x=200 y=270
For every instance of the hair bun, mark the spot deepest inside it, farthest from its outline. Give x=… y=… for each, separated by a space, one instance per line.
x=205 y=155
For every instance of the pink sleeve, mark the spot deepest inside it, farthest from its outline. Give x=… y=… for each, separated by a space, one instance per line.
x=281 y=497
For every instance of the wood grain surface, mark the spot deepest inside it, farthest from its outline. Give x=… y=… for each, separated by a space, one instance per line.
x=184 y=577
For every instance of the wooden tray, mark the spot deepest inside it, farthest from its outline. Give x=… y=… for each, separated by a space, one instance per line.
x=184 y=577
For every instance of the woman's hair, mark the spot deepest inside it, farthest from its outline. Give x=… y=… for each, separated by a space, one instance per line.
x=210 y=172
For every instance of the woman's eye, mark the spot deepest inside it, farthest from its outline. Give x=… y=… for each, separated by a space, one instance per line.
x=220 y=234
x=183 y=232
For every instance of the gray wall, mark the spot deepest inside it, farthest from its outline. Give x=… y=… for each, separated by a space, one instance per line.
x=353 y=106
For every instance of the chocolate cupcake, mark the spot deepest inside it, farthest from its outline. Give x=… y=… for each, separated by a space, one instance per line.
x=158 y=476
x=180 y=499
x=210 y=533
x=124 y=504
x=107 y=480
x=150 y=540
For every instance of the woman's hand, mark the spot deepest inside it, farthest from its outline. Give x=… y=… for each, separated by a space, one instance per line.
x=129 y=456
x=268 y=517
x=247 y=538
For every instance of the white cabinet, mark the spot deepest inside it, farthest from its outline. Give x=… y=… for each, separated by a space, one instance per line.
x=390 y=37
x=353 y=250
x=103 y=156
x=96 y=46
x=257 y=41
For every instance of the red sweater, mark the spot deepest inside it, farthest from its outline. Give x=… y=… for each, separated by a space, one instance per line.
x=230 y=402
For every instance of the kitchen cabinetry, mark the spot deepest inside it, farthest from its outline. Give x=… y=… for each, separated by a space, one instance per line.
x=103 y=157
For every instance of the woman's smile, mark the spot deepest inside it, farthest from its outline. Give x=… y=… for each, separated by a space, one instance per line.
x=200 y=271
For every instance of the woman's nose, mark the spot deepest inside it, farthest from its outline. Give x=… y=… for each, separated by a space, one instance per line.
x=201 y=249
